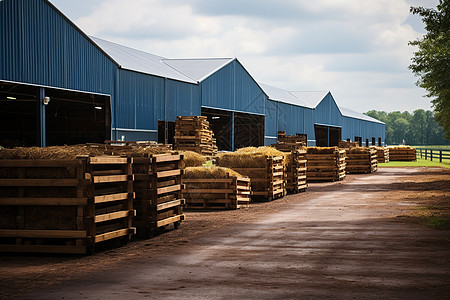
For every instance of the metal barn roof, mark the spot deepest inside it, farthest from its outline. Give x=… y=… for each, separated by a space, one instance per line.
x=284 y=96
x=346 y=112
x=140 y=61
x=313 y=98
x=198 y=69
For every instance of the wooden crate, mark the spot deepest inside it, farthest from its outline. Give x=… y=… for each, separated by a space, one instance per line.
x=228 y=193
x=348 y=144
x=382 y=154
x=269 y=186
x=192 y=133
x=158 y=190
x=325 y=166
x=289 y=143
x=402 y=154
x=295 y=174
x=65 y=206
x=361 y=160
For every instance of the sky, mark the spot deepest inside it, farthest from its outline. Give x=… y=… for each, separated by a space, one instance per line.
x=357 y=49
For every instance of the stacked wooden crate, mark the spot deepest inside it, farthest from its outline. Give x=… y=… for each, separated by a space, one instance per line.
x=361 y=160
x=403 y=153
x=295 y=174
x=266 y=173
x=348 y=144
x=325 y=164
x=65 y=206
x=158 y=189
x=217 y=193
x=289 y=143
x=382 y=154
x=192 y=133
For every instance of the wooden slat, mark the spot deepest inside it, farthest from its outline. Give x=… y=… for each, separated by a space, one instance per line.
x=107 y=160
x=38 y=182
x=114 y=234
x=112 y=178
x=43 y=201
x=169 y=220
x=163 y=174
x=18 y=233
x=110 y=198
x=208 y=191
x=208 y=180
x=169 y=189
x=170 y=204
x=114 y=215
x=166 y=158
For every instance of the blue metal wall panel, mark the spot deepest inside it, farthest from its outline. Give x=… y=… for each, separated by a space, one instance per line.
x=270 y=122
x=327 y=112
x=232 y=88
x=140 y=101
x=182 y=99
x=39 y=46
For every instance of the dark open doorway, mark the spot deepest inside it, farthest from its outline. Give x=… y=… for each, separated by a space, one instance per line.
x=220 y=124
x=327 y=136
x=248 y=130
x=71 y=117
x=166 y=132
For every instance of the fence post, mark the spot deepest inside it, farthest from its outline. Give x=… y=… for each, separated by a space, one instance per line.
x=425 y=154
x=440 y=156
x=431 y=154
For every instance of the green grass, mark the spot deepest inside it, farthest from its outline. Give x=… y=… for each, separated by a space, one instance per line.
x=433 y=146
x=419 y=163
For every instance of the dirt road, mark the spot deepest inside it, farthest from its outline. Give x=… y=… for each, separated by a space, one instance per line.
x=342 y=240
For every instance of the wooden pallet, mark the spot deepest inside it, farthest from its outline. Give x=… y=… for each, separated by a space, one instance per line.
x=158 y=187
x=295 y=174
x=192 y=133
x=288 y=143
x=65 y=206
x=228 y=193
x=382 y=154
x=271 y=186
x=402 y=154
x=325 y=166
x=357 y=162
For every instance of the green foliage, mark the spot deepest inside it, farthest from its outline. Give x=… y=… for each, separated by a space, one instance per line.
x=431 y=62
x=419 y=128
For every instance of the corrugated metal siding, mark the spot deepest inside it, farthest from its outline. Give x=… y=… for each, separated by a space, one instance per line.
x=270 y=122
x=140 y=101
x=183 y=99
x=232 y=88
x=39 y=46
x=327 y=112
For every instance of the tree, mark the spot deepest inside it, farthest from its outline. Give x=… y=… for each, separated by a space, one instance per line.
x=419 y=128
x=431 y=62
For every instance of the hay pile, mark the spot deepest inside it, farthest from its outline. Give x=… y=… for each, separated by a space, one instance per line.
x=322 y=150
x=209 y=172
x=358 y=150
x=249 y=157
x=71 y=152
x=192 y=159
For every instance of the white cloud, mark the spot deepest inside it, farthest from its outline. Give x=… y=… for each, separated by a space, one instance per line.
x=358 y=49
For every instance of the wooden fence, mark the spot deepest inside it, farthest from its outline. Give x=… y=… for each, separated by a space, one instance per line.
x=436 y=154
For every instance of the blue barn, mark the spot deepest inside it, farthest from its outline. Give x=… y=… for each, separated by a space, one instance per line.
x=59 y=86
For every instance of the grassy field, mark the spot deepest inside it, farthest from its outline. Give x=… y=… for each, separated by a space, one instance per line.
x=418 y=163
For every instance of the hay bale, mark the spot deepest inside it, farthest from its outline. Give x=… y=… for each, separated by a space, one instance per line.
x=322 y=150
x=192 y=159
x=207 y=173
x=249 y=157
x=358 y=150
